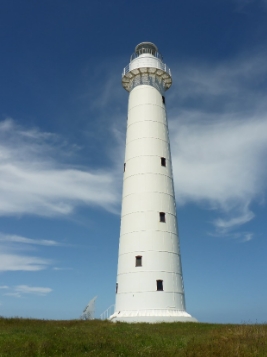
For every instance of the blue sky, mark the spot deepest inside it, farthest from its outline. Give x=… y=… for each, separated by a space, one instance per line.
x=62 y=131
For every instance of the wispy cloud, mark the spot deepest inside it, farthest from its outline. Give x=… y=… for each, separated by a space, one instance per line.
x=20 y=290
x=218 y=129
x=14 y=255
x=15 y=262
x=8 y=238
x=248 y=237
x=16 y=295
x=32 y=182
x=224 y=224
x=36 y=290
x=239 y=236
x=221 y=163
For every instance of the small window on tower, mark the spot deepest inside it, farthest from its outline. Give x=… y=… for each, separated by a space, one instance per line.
x=117 y=287
x=159 y=285
x=163 y=161
x=162 y=217
x=138 y=261
x=124 y=167
x=163 y=99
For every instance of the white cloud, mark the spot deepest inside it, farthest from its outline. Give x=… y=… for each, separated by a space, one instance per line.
x=235 y=221
x=218 y=132
x=17 y=295
x=232 y=87
x=248 y=237
x=4 y=287
x=15 y=262
x=239 y=235
x=14 y=256
x=221 y=162
x=20 y=290
x=8 y=238
x=31 y=182
x=25 y=289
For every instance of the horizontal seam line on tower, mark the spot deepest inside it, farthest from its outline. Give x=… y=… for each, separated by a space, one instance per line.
x=141 y=193
x=169 y=308
x=150 y=271
x=157 y=156
x=144 y=121
x=145 y=230
x=176 y=234
x=145 y=173
x=146 y=137
x=151 y=291
x=127 y=214
x=150 y=250
x=145 y=104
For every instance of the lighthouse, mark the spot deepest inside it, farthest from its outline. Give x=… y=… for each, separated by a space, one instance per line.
x=149 y=286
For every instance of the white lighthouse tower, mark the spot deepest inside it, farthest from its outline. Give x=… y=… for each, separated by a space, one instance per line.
x=149 y=284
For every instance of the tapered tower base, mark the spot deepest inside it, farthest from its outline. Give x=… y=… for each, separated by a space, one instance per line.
x=152 y=316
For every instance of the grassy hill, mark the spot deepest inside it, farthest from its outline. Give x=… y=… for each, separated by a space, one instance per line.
x=28 y=337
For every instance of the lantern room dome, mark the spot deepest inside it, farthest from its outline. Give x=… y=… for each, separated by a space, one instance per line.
x=146 y=48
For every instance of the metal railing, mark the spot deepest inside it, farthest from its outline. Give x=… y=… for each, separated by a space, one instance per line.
x=105 y=315
x=146 y=50
x=158 y=65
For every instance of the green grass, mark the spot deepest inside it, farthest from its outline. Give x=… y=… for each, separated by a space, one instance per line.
x=28 y=337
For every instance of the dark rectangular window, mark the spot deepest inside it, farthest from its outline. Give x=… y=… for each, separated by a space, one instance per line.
x=159 y=285
x=163 y=161
x=124 y=167
x=138 y=261
x=163 y=99
x=162 y=217
x=117 y=287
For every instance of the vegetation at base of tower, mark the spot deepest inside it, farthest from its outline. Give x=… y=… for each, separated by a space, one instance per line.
x=28 y=337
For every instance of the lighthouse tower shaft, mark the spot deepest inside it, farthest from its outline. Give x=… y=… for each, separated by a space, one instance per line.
x=149 y=280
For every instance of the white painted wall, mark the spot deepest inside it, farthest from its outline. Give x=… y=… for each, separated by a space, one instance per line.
x=148 y=190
